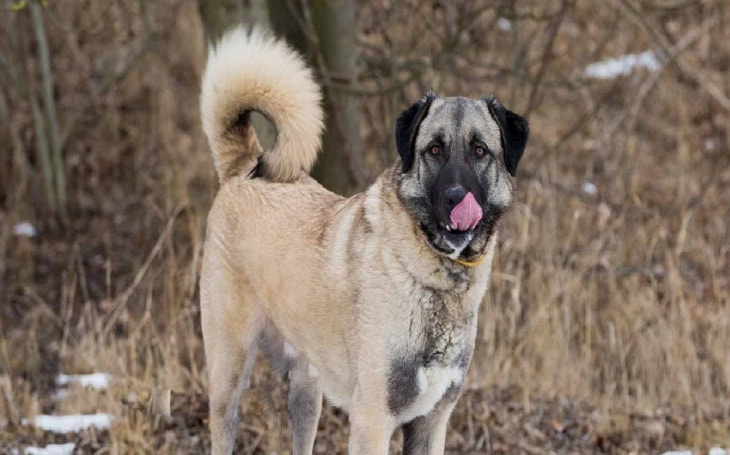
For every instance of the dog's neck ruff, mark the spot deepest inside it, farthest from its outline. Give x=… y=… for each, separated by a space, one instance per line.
x=473 y=263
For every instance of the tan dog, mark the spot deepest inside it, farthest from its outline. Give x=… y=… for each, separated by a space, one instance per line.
x=371 y=300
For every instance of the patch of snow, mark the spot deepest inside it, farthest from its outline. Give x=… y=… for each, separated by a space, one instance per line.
x=99 y=381
x=504 y=24
x=612 y=68
x=51 y=449
x=678 y=452
x=70 y=423
x=589 y=188
x=24 y=229
x=717 y=451
x=709 y=145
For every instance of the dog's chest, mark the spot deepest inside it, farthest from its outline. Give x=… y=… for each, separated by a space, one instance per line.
x=432 y=365
x=433 y=384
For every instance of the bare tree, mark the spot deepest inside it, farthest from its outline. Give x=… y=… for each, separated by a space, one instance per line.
x=324 y=31
x=341 y=165
x=51 y=135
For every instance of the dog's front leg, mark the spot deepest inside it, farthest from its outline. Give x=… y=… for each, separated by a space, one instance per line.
x=426 y=435
x=371 y=425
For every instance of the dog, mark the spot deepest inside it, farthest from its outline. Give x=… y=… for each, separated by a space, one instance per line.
x=371 y=300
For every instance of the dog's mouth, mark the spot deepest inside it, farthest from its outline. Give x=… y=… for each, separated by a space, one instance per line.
x=456 y=238
x=449 y=230
x=454 y=226
x=463 y=220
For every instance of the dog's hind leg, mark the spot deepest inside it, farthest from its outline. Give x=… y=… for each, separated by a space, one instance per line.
x=226 y=386
x=305 y=405
x=231 y=325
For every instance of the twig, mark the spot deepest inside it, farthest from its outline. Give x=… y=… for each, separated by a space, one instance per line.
x=49 y=105
x=11 y=412
x=687 y=40
x=121 y=301
x=361 y=90
x=547 y=51
x=20 y=86
x=693 y=73
x=8 y=69
x=115 y=78
x=587 y=117
x=43 y=153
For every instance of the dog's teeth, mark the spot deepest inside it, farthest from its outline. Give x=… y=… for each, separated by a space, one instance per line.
x=448 y=228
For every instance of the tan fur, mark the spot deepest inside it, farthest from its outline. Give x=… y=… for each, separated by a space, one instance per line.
x=333 y=288
x=251 y=70
x=297 y=257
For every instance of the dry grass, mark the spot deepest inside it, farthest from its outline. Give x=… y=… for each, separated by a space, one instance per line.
x=609 y=311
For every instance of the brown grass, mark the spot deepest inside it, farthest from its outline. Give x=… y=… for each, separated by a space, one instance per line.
x=607 y=319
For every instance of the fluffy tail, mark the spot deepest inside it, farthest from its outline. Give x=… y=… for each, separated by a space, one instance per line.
x=250 y=70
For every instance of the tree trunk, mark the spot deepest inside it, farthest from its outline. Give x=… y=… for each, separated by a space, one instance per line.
x=220 y=15
x=341 y=166
x=324 y=31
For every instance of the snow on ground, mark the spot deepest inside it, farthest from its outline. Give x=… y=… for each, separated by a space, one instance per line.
x=712 y=451
x=50 y=449
x=589 y=188
x=70 y=423
x=24 y=229
x=615 y=67
x=504 y=24
x=99 y=381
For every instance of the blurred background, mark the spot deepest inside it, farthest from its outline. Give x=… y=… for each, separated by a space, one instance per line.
x=606 y=328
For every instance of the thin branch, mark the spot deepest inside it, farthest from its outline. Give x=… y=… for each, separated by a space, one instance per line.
x=673 y=53
x=108 y=83
x=691 y=72
x=361 y=90
x=586 y=118
x=49 y=106
x=6 y=62
x=115 y=78
x=121 y=301
x=8 y=70
x=546 y=56
x=39 y=129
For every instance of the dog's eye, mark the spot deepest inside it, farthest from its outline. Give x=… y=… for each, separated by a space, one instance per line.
x=480 y=151
x=435 y=150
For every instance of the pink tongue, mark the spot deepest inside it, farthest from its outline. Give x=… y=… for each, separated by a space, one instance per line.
x=466 y=214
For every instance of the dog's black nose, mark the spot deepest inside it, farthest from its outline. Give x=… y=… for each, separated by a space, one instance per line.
x=453 y=195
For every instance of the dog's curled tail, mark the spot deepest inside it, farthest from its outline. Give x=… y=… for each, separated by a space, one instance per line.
x=250 y=70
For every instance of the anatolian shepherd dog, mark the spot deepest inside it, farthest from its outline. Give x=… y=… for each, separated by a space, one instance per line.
x=370 y=300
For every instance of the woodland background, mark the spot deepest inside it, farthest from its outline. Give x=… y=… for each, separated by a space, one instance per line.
x=606 y=328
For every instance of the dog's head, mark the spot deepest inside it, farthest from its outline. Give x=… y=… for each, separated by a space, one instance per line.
x=458 y=158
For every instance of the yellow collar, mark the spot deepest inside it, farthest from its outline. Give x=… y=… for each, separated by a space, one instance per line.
x=473 y=263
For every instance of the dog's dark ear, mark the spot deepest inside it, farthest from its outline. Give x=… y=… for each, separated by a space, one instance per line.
x=406 y=128
x=515 y=131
